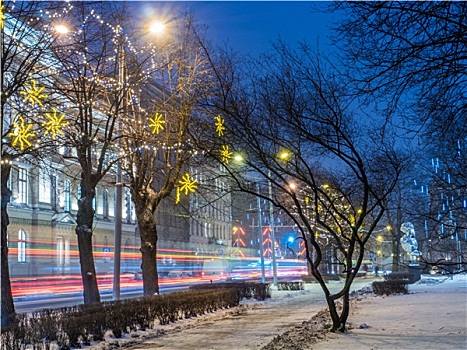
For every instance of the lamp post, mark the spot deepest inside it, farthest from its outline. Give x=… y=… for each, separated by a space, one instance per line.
x=260 y=232
x=118 y=184
x=271 y=223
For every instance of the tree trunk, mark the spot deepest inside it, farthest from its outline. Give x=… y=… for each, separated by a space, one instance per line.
x=338 y=321
x=85 y=218
x=345 y=310
x=148 y=231
x=7 y=307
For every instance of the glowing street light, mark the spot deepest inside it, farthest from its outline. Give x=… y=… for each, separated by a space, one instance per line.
x=284 y=155
x=157 y=27
x=61 y=29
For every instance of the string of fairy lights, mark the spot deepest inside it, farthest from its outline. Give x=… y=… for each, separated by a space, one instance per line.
x=54 y=122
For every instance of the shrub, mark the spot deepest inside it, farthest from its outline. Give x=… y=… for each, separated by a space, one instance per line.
x=401 y=276
x=290 y=286
x=248 y=290
x=72 y=327
x=390 y=287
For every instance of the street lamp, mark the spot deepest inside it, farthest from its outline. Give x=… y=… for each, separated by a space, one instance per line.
x=271 y=223
x=157 y=27
x=260 y=230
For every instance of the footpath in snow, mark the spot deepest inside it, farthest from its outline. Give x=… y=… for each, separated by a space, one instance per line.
x=432 y=316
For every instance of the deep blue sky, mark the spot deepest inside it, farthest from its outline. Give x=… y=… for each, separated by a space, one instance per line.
x=250 y=26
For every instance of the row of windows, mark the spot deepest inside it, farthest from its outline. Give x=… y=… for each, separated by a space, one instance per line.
x=47 y=192
x=206 y=229
x=61 y=246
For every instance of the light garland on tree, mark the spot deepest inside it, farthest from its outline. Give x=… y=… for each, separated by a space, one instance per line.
x=2 y=16
x=33 y=93
x=226 y=154
x=219 y=125
x=157 y=123
x=55 y=123
x=22 y=132
x=186 y=185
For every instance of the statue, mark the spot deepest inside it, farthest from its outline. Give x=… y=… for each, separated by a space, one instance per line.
x=408 y=241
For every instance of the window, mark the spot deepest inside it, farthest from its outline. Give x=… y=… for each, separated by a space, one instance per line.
x=44 y=188
x=128 y=207
x=22 y=186
x=105 y=204
x=53 y=192
x=67 y=196
x=74 y=205
x=21 y=246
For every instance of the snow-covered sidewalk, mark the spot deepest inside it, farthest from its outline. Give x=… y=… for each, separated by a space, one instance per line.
x=431 y=316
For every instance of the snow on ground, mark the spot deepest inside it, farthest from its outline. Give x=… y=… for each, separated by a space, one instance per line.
x=432 y=316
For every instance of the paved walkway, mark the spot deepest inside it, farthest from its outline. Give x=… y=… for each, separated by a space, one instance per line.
x=251 y=327
x=432 y=316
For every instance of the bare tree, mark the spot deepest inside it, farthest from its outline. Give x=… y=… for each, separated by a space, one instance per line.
x=90 y=86
x=157 y=143
x=300 y=136
x=413 y=54
x=26 y=109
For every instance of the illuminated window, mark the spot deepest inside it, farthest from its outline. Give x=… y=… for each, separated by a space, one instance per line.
x=67 y=196
x=128 y=207
x=22 y=186
x=105 y=204
x=21 y=246
x=44 y=188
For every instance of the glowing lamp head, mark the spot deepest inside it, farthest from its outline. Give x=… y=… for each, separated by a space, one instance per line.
x=61 y=29
x=284 y=155
x=157 y=27
x=238 y=158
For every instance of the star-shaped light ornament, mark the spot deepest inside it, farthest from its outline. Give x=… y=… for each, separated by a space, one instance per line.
x=219 y=125
x=21 y=133
x=186 y=185
x=55 y=124
x=226 y=154
x=33 y=93
x=2 y=15
x=157 y=123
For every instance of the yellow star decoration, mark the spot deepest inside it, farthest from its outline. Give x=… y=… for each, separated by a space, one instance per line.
x=186 y=185
x=54 y=124
x=21 y=134
x=225 y=154
x=2 y=15
x=157 y=123
x=219 y=125
x=33 y=93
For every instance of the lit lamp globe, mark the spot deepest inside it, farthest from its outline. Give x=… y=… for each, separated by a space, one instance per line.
x=157 y=27
x=61 y=29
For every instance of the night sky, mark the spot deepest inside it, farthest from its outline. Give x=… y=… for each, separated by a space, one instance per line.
x=249 y=27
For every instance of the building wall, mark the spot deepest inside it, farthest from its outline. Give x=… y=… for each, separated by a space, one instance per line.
x=42 y=238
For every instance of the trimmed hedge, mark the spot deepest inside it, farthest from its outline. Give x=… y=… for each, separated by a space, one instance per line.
x=75 y=326
x=290 y=286
x=247 y=290
x=390 y=287
x=402 y=276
